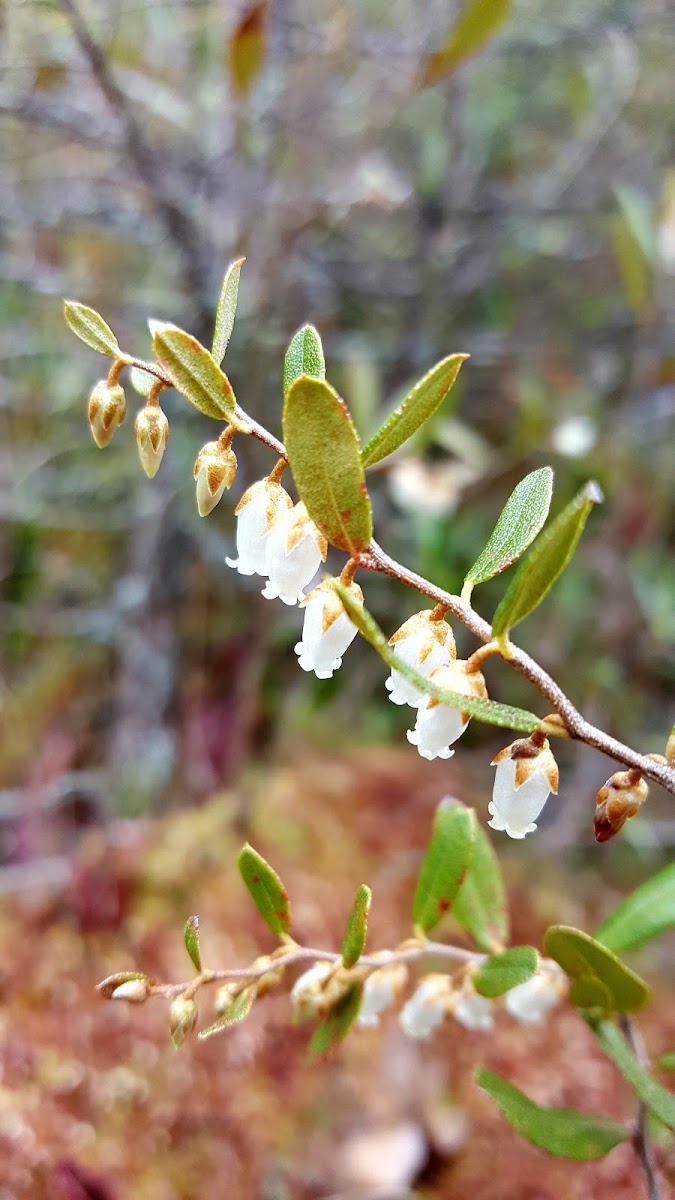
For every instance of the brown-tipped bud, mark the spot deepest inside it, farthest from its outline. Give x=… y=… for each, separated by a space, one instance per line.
x=135 y=991
x=214 y=471
x=617 y=801
x=152 y=434
x=107 y=409
x=182 y=1019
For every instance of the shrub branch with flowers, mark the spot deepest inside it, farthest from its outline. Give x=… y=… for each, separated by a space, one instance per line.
x=285 y=542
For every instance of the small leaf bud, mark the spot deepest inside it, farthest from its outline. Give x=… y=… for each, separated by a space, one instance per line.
x=618 y=800
x=152 y=434
x=214 y=471
x=106 y=410
x=135 y=991
x=182 y=1019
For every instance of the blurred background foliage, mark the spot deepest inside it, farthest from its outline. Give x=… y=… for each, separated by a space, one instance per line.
x=414 y=187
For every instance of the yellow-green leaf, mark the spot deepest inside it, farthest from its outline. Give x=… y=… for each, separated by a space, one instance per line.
x=648 y=911
x=445 y=865
x=335 y=1027
x=304 y=357
x=357 y=927
x=546 y=561
x=247 y=48
x=476 y=24
x=656 y=1098
x=227 y=307
x=489 y=711
x=563 y=1132
x=582 y=958
x=269 y=894
x=323 y=452
x=91 y=329
x=481 y=907
x=191 y=939
x=420 y=404
x=193 y=372
x=501 y=972
x=519 y=523
x=239 y=1009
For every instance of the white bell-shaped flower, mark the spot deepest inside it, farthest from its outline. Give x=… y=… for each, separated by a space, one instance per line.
x=437 y=725
x=293 y=552
x=472 y=1010
x=428 y=1007
x=258 y=511
x=327 y=631
x=424 y=642
x=380 y=990
x=530 y=1001
x=316 y=991
x=526 y=773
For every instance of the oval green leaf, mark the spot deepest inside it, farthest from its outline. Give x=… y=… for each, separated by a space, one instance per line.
x=656 y=1098
x=238 y=1011
x=91 y=329
x=581 y=957
x=420 y=404
x=667 y=1061
x=335 y=1027
x=647 y=912
x=193 y=372
x=445 y=865
x=357 y=927
x=304 y=357
x=504 y=715
x=501 y=972
x=590 y=994
x=191 y=939
x=323 y=451
x=477 y=22
x=519 y=523
x=227 y=307
x=141 y=381
x=545 y=562
x=480 y=906
x=268 y=892
x=563 y=1132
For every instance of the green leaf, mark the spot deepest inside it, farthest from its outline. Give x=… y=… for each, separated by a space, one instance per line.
x=141 y=381
x=91 y=329
x=477 y=23
x=445 y=865
x=563 y=1132
x=667 y=1062
x=268 y=892
x=545 y=562
x=323 y=452
x=304 y=357
x=357 y=927
x=648 y=911
x=589 y=993
x=420 y=404
x=489 y=711
x=501 y=972
x=519 y=523
x=227 y=307
x=239 y=1009
x=335 y=1027
x=247 y=47
x=656 y=1098
x=481 y=907
x=191 y=939
x=193 y=372
x=581 y=957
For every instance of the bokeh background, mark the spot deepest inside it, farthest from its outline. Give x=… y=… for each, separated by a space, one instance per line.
x=516 y=203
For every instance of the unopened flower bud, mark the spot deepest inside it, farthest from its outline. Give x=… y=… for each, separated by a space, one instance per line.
x=316 y=991
x=107 y=409
x=327 y=630
x=526 y=773
x=438 y=725
x=135 y=991
x=618 y=800
x=424 y=642
x=380 y=990
x=182 y=1019
x=214 y=471
x=152 y=434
